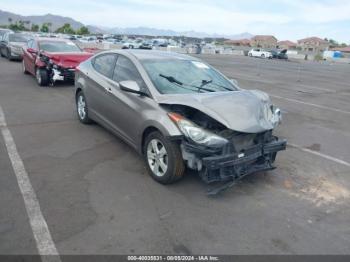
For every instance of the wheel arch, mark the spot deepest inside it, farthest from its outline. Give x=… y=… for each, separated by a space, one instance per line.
x=145 y=133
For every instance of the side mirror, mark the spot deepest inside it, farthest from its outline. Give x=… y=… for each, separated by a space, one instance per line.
x=32 y=51
x=131 y=87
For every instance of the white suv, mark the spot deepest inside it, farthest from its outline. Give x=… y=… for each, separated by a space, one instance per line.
x=258 y=52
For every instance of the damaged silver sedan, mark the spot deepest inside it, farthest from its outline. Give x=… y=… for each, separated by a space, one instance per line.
x=179 y=112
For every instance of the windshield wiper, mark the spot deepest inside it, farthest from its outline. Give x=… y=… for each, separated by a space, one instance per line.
x=211 y=82
x=173 y=80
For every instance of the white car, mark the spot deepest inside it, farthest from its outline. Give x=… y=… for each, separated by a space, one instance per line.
x=132 y=44
x=258 y=52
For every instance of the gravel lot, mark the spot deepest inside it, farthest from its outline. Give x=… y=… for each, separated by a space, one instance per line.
x=96 y=197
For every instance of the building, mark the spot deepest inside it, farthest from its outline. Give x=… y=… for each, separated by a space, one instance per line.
x=313 y=44
x=344 y=49
x=287 y=45
x=239 y=42
x=264 y=41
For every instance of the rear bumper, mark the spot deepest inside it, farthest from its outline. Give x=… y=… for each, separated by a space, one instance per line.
x=233 y=166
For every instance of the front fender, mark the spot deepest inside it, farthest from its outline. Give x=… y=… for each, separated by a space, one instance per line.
x=162 y=123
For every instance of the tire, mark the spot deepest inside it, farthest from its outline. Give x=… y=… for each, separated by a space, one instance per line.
x=82 y=109
x=42 y=77
x=262 y=56
x=24 y=70
x=1 y=53
x=8 y=54
x=156 y=159
x=131 y=47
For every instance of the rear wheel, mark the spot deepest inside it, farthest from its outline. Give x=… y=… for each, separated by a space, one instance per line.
x=163 y=158
x=82 y=109
x=263 y=56
x=42 y=77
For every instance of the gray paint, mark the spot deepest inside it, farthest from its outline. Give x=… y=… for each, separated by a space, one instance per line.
x=128 y=115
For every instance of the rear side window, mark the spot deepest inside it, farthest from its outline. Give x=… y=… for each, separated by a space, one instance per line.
x=104 y=64
x=126 y=70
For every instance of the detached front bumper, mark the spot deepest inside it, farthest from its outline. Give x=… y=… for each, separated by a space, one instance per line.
x=62 y=74
x=217 y=167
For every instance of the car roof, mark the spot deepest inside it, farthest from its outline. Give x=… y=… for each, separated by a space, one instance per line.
x=155 y=55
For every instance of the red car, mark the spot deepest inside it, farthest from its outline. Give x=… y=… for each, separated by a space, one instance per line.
x=51 y=60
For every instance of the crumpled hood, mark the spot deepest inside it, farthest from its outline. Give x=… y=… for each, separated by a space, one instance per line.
x=68 y=60
x=243 y=111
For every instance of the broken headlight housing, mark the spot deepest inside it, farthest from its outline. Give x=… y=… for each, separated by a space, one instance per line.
x=276 y=117
x=272 y=113
x=196 y=133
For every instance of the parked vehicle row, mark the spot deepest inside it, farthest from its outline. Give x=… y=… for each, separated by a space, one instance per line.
x=176 y=111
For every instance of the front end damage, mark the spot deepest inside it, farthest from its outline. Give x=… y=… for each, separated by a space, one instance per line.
x=244 y=154
x=224 y=154
x=56 y=72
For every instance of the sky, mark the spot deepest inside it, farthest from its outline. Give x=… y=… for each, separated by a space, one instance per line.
x=286 y=19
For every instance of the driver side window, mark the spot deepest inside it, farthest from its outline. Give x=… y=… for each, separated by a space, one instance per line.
x=126 y=70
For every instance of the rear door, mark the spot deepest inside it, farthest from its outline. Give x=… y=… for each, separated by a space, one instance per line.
x=98 y=85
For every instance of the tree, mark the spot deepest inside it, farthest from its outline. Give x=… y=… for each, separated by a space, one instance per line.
x=83 y=31
x=333 y=43
x=65 y=29
x=49 y=24
x=18 y=26
x=44 y=28
x=35 y=28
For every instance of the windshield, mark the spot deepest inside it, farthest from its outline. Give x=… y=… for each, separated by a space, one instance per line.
x=185 y=76
x=18 y=38
x=58 y=46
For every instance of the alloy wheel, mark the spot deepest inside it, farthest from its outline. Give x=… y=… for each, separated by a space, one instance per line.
x=157 y=157
x=81 y=107
x=38 y=76
x=23 y=66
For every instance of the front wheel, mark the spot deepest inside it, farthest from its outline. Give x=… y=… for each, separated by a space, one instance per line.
x=42 y=77
x=8 y=54
x=163 y=158
x=262 y=56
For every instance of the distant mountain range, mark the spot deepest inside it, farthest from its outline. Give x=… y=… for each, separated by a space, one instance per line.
x=57 y=21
